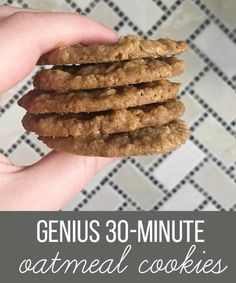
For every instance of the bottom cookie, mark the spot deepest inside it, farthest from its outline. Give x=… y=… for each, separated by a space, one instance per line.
x=145 y=141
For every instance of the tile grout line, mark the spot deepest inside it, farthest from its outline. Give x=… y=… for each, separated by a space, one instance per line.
x=15 y=97
x=211 y=156
x=212 y=65
x=216 y=20
x=22 y=138
x=164 y=17
x=122 y=206
x=188 y=177
x=176 y=188
x=125 y=195
x=204 y=57
x=202 y=205
x=213 y=113
x=146 y=173
x=102 y=182
x=207 y=195
x=124 y=18
x=161 y=5
x=114 y=186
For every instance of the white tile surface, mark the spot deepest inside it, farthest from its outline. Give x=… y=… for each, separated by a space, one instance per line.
x=147 y=161
x=138 y=187
x=24 y=155
x=193 y=110
x=102 y=13
x=5 y=97
x=145 y=13
x=182 y=22
x=95 y=181
x=216 y=139
x=170 y=172
x=126 y=29
x=129 y=207
x=219 y=47
x=83 y=3
x=218 y=95
x=217 y=184
x=61 y=7
x=33 y=138
x=10 y=125
x=210 y=207
x=169 y=3
x=105 y=199
x=225 y=10
x=74 y=202
x=187 y=198
x=193 y=65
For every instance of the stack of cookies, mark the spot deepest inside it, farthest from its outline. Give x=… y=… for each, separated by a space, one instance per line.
x=109 y=100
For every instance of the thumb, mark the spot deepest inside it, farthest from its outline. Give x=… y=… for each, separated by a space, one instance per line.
x=51 y=182
x=24 y=36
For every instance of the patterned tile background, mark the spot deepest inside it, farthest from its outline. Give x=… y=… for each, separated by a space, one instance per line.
x=202 y=174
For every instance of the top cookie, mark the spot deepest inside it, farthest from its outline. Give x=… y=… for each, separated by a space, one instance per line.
x=127 y=47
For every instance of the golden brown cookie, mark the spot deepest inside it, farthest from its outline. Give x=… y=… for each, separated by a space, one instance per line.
x=107 y=74
x=145 y=141
x=100 y=99
x=108 y=122
x=128 y=47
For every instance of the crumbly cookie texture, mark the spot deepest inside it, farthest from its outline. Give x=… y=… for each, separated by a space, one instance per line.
x=100 y=99
x=107 y=74
x=145 y=141
x=127 y=47
x=100 y=123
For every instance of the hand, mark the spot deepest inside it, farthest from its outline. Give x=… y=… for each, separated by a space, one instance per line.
x=24 y=36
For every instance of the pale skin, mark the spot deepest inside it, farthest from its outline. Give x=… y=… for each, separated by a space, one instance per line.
x=24 y=36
